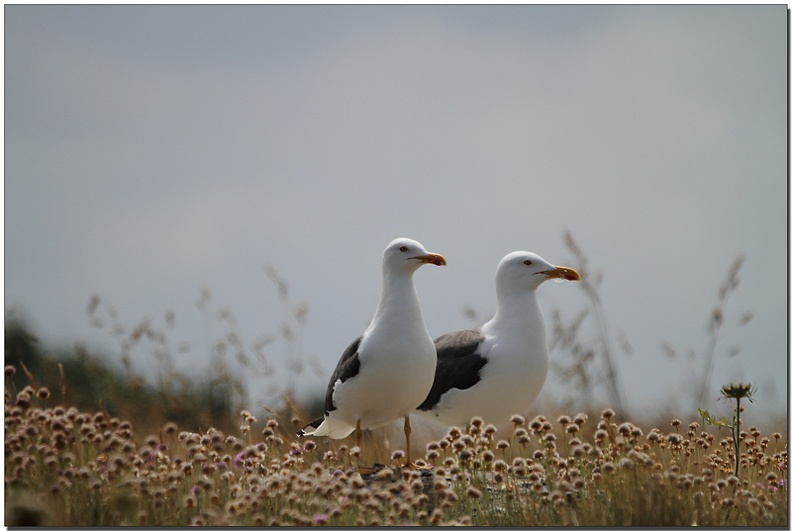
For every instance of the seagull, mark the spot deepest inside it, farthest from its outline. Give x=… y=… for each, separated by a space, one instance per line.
x=498 y=369
x=387 y=371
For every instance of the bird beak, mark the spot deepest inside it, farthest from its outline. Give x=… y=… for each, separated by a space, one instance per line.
x=564 y=273
x=432 y=258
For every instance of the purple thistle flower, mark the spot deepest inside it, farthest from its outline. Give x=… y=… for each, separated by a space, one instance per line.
x=320 y=519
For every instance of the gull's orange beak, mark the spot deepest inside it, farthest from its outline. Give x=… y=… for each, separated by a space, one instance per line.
x=564 y=273
x=432 y=258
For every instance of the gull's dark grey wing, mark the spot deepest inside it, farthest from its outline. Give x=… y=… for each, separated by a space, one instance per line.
x=313 y=424
x=458 y=364
x=348 y=366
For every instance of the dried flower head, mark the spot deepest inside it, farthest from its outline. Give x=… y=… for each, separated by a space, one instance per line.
x=674 y=438
x=473 y=493
x=738 y=391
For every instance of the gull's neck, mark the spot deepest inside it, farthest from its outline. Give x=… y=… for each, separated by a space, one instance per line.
x=399 y=300
x=519 y=312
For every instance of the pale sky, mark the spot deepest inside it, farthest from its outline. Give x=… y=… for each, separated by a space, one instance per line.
x=154 y=151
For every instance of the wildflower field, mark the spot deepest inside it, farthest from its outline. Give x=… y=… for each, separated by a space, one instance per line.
x=70 y=467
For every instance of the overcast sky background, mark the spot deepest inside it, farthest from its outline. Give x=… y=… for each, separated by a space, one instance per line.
x=154 y=151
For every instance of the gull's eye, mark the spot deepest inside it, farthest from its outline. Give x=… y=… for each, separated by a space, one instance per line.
x=528 y=263
x=404 y=248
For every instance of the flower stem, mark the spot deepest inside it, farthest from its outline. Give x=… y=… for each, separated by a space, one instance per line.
x=736 y=435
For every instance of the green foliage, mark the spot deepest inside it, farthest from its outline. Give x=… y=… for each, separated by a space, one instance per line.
x=708 y=419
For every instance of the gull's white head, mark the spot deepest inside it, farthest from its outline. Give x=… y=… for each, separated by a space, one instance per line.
x=406 y=255
x=522 y=270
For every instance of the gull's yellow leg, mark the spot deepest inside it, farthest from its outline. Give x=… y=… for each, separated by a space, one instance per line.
x=407 y=432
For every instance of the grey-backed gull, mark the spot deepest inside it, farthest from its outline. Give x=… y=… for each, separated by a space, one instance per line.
x=498 y=369
x=386 y=372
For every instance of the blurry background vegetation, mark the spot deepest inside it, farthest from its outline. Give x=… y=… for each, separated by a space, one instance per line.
x=92 y=382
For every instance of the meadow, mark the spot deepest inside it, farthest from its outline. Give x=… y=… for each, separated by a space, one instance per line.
x=70 y=467
x=88 y=443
